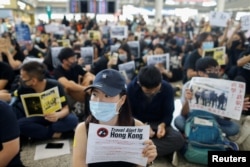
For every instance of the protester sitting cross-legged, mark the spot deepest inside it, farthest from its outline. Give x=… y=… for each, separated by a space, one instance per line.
x=49 y=125
x=72 y=76
x=206 y=67
x=152 y=102
x=108 y=106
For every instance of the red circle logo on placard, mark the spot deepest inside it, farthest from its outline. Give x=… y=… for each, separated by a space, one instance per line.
x=102 y=132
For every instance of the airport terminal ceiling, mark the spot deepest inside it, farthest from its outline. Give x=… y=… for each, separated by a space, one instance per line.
x=201 y=5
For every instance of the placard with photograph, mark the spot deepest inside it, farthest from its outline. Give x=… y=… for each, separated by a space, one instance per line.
x=114 y=48
x=219 y=19
x=87 y=54
x=54 y=55
x=127 y=69
x=218 y=96
x=64 y=43
x=216 y=53
x=162 y=59
x=119 y=32
x=245 y=23
x=23 y=35
x=135 y=48
x=94 y=35
x=38 y=104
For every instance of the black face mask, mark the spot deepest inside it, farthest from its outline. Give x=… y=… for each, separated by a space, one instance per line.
x=213 y=75
x=235 y=44
x=23 y=83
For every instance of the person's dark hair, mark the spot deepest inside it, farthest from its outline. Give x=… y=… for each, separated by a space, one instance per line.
x=173 y=41
x=204 y=63
x=161 y=47
x=201 y=38
x=242 y=38
x=149 y=77
x=124 y=118
x=126 y=48
x=65 y=53
x=35 y=69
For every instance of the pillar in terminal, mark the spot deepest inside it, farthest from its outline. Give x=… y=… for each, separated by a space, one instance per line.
x=220 y=5
x=158 y=10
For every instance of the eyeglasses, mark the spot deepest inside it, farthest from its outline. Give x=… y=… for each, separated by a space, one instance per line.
x=24 y=81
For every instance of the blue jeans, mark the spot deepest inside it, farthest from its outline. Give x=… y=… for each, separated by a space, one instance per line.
x=39 y=128
x=230 y=128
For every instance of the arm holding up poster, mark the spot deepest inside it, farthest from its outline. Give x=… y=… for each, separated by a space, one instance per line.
x=111 y=142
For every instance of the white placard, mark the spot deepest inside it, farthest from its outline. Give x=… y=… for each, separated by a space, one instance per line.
x=114 y=48
x=218 y=96
x=128 y=68
x=134 y=48
x=162 y=59
x=219 y=19
x=55 y=28
x=29 y=59
x=245 y=23
x=87 y=53
x=119 y=32
x=116 y=143
x=54 y=55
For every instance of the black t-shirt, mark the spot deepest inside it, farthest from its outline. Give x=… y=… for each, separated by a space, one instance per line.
x=175 y=64
x=18 y=56
x=9 y=129
x=41 y=45
x=35 y=53
x=71 y=74
x=100 y=64
x=245 y=73
x=191 y=60
x=6 y=73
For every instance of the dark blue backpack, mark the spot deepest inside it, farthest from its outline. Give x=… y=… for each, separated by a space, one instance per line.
x=203 y=134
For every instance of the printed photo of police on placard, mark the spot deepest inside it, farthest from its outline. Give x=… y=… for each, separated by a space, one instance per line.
x=87 y=54
x=220 y=97
x=134 y=48
x=162 y=60
x=54 y=55
x=119 y=32
x=127 y=69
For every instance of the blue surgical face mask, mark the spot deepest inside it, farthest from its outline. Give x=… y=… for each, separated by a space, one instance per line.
x=148 y=41
x=123 y=57
x=207 y=45
x=103 y=111
x=145 y=51
x=38 y=39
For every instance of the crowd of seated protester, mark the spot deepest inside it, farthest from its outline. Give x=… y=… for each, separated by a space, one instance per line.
x=70 y=62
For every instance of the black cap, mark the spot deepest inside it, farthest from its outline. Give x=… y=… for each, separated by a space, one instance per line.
x=110 y=81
